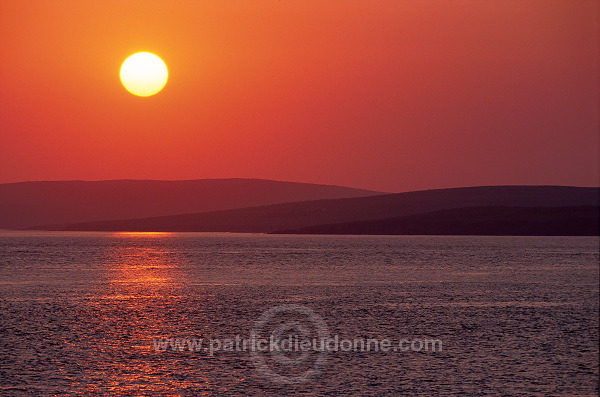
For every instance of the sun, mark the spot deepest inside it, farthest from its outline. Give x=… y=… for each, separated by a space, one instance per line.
x=144 y=74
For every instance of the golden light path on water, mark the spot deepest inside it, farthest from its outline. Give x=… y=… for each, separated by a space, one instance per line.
x=142 y=273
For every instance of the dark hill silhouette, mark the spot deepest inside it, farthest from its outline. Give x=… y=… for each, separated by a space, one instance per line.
x=293 y=216
x=494 y=221
x=26 y=204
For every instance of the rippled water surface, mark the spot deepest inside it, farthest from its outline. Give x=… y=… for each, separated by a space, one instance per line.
x=81 y=313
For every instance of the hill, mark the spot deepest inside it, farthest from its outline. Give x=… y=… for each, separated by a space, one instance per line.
x=487 y=221
x=298 y=215
x=27 y=204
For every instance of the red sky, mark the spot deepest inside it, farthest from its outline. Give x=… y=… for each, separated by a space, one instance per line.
x=391 y=95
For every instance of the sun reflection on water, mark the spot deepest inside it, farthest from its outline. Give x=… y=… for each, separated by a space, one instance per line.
x=149 y=267
x=142 y=261
x=142 y=234
x=139 y=302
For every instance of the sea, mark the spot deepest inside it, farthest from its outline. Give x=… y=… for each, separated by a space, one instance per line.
x=201 y=314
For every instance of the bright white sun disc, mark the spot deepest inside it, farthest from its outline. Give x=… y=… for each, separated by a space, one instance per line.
x=144 y=74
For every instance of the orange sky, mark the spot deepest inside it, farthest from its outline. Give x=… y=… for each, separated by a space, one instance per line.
x=391 y=95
